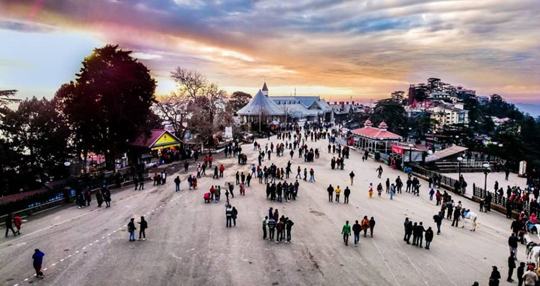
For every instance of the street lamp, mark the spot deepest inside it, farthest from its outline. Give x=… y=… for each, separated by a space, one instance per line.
x=459 y=165
x=486 y=172
x=410 y=153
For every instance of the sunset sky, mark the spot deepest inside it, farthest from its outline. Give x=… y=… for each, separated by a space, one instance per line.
x=364 y=48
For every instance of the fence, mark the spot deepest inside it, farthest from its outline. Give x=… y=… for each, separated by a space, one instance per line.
x=500 y=200
x=445 y=181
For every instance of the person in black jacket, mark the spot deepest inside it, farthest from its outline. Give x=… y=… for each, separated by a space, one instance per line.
x=520 y=272
x=415 y=234
x=420 y=234
x=234 y=215
x=429 y=237
x=408 y=231
x=9 y=225
x=438 y=220
x=131 y=229
x=356 y=230
x=511 y=267
x=494 y=277
x=144 y=226
x=513 y=244
x=372 y=226
x=457 y=214
x=288 y=225
x=330 y=191
x=347 y=193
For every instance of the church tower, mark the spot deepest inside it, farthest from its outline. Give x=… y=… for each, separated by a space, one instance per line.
x=265 y=89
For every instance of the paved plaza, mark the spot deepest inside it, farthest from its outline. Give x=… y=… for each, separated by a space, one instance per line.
x=188 y=243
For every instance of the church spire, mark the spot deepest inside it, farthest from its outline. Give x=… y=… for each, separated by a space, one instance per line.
x=265 y=89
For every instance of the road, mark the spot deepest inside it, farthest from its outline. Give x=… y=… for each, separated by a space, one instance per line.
x=188 y=243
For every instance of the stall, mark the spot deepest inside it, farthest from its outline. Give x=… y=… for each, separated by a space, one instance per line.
x=157 y=144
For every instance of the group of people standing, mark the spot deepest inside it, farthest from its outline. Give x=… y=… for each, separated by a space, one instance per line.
x=282 y=224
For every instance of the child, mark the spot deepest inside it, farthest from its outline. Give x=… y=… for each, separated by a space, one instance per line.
x=431 y=193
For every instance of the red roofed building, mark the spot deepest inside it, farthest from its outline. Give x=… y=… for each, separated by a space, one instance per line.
x=375 y=139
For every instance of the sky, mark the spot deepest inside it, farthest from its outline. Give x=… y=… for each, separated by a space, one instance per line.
x=338 y=49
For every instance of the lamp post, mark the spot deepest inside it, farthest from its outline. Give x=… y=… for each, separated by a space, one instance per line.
x=459 y=165
x=486 y=172
x=410 y=153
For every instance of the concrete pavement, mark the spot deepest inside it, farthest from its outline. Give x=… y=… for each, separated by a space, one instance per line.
x=188 y=243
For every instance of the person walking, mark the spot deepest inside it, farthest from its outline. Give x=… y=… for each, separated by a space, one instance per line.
x=38 y=261
x=511 y=267
x=429 y=237
x=346 y=230
x=356 y=230
x=228 y=214
x=347 y=193
x=216 y=172
x=379 y=171
x=234 y=215
x=330 y=191
x=495 y=276
x=264 y=222
x=438 y=218
x=131 y=229
x=9 y=225
x=371 y=226
x=177 y=183
x=271 y=228
x=370 y=190
x=17 y=221
x=99 y=198
x=288 y=227
x=365 y=225
x=392 y=191
x=144 y=226
x=351 y=175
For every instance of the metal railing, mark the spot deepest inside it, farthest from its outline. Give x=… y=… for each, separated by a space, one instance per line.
x=501 y=200
x=445 y=181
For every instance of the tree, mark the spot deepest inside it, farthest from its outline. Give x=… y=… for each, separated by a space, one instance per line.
x=38 y=133
x=206 y=102
x=5 y=100
x=174 y=108
x=392 y=113
x=238 y=100
x=109 y=102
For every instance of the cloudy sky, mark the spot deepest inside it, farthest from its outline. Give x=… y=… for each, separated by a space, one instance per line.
x=336 y=48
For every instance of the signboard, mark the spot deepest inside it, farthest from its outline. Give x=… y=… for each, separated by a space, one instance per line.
x=397 y=149
x=228 y=132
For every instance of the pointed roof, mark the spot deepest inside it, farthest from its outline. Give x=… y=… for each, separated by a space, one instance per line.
x=368 y=123
x=383 y=125
x=265 y=88
x=260 y=104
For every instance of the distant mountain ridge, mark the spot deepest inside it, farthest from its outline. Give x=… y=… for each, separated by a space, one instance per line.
x=531 y=108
